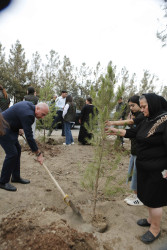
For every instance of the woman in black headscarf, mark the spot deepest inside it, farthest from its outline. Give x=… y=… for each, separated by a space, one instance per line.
x=151 y=137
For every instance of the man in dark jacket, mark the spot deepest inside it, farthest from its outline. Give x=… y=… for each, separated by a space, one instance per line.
x=31 y=97
x=19 y=117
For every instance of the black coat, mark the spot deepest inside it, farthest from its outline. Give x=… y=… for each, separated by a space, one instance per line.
x=151 y=161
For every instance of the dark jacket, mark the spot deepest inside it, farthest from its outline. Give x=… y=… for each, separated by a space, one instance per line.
x=31 y=98
x=71 y=113
x=138 y=118
x=21 y=116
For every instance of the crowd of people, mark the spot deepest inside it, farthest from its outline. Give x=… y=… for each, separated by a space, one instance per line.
x=147 y=131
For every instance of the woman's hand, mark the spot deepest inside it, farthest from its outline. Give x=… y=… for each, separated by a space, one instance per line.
x=115 y=131
x=111 y=130
x=109 y=123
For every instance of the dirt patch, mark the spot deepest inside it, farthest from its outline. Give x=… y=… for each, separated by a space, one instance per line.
x=19 y=233
x=36 y=216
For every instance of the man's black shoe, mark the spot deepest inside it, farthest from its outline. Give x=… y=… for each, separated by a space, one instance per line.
x=8 y=187
x=20 y=180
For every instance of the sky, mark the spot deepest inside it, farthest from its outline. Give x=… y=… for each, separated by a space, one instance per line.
x=90 y=31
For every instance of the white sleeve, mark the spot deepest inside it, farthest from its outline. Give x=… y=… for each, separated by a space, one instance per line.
x=57 y=102
x=65 y=109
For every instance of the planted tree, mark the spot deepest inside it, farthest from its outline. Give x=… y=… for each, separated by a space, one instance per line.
x=46 y=95
x=104 y=100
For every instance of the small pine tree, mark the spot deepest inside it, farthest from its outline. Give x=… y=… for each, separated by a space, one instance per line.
x=46 y=94
x=104 y=100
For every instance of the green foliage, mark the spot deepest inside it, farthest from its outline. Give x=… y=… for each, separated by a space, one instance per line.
x=46 y=94
x=164 y=92
x=162 y=34
x=104 y=100
x=147 y=83
x=18 y=74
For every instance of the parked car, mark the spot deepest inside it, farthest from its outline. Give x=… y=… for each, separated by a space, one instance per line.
x=77 y=117
x=78 y=114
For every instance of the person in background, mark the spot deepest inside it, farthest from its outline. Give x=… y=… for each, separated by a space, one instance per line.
x=31 y=97
x=4 y=99
x=69 y=113
x=136 y=117
x=20 y=117
x=84 y=118
x=121 y=109
x=151 y=161
x=59 y=103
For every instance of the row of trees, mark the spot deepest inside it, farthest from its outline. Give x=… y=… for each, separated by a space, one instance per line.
x=17 y=73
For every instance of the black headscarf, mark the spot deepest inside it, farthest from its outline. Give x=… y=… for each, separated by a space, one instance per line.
x=157 y=105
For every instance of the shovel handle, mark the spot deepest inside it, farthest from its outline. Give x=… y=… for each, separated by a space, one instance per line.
x=55 y=182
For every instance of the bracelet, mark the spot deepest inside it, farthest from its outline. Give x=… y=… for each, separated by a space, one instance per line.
x=39 y=154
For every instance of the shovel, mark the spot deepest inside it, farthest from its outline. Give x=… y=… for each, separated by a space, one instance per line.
x=65 y=196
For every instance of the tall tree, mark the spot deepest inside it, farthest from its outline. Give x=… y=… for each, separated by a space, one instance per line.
x=162 y=34
x=35 y=69
x=130 y=87
x=147 y=83
x=66 y=79
x=164 y=92
x=3 y=76
x=50 y=69
x=19 y=76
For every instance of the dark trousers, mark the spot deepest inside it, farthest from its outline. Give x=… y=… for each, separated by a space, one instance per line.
x=58 y=118
x=11 y=164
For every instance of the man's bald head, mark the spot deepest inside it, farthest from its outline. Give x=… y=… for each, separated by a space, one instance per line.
x=41 y=110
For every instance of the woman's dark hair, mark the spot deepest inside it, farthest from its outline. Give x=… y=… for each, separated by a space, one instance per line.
x=89 y=99
x=69 y=99
x=135 y=99
x=3 y=125
x=4 y=92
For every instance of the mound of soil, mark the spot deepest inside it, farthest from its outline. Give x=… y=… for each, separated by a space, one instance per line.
x=17 y=233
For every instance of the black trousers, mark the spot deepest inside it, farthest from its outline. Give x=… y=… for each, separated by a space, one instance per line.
x=58 y=118
x=11 y=164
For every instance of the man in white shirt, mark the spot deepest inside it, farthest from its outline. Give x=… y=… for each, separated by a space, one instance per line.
x=59 y=103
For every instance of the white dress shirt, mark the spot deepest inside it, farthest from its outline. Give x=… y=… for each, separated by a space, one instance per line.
x=60 y=102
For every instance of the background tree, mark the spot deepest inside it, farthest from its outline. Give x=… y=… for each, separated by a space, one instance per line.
x=66 y=79
x=130 y=87
x=3 y=71
x=36 y=71
x=147 y=83
x=46 y=94
x=162 y=35
x=51 y=68
x=164 y=92
x=18 y=75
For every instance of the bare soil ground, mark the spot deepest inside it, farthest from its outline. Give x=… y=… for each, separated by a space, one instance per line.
x=36 y=217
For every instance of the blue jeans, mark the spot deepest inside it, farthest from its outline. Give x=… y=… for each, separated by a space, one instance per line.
x=132 y=171
x=11 y=164
x=68 y=134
